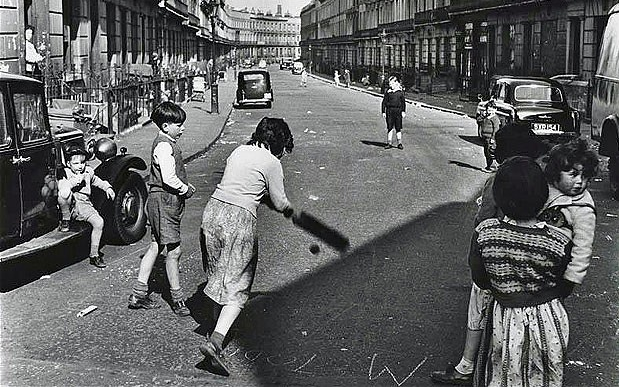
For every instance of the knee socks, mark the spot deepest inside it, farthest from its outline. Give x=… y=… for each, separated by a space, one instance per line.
x=177 y=294
x=140 y=289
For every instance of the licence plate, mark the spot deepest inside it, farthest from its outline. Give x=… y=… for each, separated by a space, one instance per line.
x=546 y=127
x=267 y=95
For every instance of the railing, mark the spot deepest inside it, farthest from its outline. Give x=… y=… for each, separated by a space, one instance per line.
x=119 y=97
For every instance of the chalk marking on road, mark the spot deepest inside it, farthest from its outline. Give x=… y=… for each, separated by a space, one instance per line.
x=254 y=358
x=304 y=364
x=334 y=317
x=235 y=352
x=385 y=368
x=286 y=362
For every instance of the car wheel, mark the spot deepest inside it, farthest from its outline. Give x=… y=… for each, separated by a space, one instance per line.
x=128 y=220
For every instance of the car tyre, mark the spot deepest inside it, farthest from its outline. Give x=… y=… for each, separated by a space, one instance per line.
x=613 y=177
x=128 y=212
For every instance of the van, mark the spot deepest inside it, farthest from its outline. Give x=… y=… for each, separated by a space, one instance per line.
x=605 y=99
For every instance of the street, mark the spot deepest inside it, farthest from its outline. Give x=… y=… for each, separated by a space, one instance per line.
x=386 y=313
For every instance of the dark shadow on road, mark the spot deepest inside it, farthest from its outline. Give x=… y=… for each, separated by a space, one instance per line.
x=472 y=139
x=24 y=270
x=374 y=143
x=465 y=165
x=251 y=107
x=372 y=316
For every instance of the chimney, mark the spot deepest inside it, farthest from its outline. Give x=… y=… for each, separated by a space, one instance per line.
x=279 y=10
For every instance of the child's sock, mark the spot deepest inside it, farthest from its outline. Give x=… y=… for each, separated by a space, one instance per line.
x=465 y=367
x=177 y=294
x=217 y=339
x=140 y=289
x=399 y=137
x=390 y=136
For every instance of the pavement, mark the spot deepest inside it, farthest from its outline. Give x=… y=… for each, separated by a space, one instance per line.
x=202 y=128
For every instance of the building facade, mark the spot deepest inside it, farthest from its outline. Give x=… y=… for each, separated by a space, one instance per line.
x=264 y=35
x=453 y=44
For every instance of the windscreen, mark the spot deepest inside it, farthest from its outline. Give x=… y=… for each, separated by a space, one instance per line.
x=537 y=93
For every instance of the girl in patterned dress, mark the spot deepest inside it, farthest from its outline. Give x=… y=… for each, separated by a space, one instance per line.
x=228 y=234
x=521 y=260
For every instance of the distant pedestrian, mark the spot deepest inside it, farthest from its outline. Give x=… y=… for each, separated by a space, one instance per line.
x=304 y=77
x=168 y=189
x=229 y=238
x=336 y=77
x=74 y=191
x=394 y=109
x=347 y=77
x=33 y=58
x=521 y=260
x=489 y=124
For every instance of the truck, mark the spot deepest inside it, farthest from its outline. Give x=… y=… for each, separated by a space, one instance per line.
x=31 y=162
x=605 y=100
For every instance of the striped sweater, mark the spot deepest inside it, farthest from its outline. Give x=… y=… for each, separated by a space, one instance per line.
x=521 y=265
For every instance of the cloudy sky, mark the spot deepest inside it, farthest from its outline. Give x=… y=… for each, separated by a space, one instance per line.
x=294 y=6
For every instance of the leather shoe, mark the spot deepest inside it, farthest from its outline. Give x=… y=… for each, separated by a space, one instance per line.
x=136 y=302
x=452 y=377
x=210 y=351
x=180 y=309
x=97 y=261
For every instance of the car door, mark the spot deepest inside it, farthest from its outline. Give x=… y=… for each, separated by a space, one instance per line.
x=35 y=157
x=10 y=203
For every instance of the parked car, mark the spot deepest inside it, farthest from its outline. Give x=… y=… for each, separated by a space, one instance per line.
x=286 y=64
x=297 y=67
x=254 y=88
x=262 y=64
x=247 y=64
x=31 y=161
x=538 y=101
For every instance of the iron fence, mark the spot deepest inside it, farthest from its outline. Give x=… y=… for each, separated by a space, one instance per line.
x=120 y=96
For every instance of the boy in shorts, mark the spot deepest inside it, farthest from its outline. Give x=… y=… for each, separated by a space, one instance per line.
x=168 y=189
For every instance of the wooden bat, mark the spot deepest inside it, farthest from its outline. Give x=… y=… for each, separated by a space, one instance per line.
x=320 y=230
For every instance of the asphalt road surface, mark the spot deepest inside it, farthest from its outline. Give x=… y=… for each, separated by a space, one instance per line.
x=386 y=313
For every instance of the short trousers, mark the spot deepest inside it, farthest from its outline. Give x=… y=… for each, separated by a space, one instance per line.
x=394 y=119
x=165 y=211
x=83 y=210
x=478 y=303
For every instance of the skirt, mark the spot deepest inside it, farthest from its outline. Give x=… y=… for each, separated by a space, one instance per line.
x=523 y=346
x=229 y=246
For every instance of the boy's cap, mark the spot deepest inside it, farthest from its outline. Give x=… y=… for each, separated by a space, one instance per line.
x=74 y=150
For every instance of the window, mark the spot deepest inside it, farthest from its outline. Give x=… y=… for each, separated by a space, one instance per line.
x=30 y=119
x=537 y=93
x=5 y=138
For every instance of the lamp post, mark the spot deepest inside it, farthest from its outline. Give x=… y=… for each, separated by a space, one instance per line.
x=383 y=38
x=210 y=8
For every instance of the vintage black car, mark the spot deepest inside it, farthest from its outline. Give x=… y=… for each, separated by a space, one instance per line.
x=254 y=88
x=31 y=162
x=538 y=101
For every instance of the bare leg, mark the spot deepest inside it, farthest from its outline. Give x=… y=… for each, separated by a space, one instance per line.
x=96 y=221
x=171 y=265
x=148 y=261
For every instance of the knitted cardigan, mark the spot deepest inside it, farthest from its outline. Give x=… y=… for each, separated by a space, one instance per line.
x=521 y=265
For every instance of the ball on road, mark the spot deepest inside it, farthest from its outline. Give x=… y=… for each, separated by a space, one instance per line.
x=314 y=249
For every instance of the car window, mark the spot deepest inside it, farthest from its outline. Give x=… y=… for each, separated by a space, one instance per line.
x=253 y=77
x=537 y=93
x=502 y=92
x=29 y=116
x=5 y=138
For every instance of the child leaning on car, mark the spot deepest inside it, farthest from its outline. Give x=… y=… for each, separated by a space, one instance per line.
x=74 y=191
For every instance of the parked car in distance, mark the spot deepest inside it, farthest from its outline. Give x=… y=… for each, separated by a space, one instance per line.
x=286 y=63
x=541 y=102
x=262 y=64
x=254 y=88
x=31 y=162
x=297 y=67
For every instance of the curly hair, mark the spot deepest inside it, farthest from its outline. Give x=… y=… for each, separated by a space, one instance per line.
x=274 y=134
x=520 y=189
x=564 y=157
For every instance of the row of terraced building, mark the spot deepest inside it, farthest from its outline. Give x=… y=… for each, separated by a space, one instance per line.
x=453 y=44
